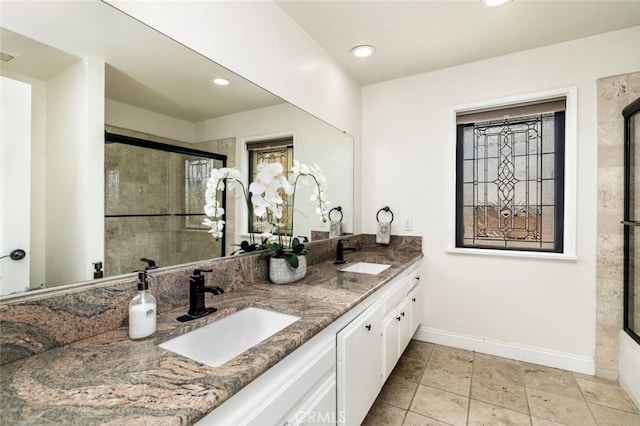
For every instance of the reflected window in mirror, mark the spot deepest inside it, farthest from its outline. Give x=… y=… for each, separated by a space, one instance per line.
x=272 y=151
x=197 y=172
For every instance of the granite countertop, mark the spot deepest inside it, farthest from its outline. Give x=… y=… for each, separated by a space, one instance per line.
x=110 y=379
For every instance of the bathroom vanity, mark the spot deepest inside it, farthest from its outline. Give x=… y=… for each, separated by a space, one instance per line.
x=305 y=373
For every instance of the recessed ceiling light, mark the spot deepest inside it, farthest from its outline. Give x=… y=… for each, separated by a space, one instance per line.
x=363 y=51
x=494 y=3
x=219 y=81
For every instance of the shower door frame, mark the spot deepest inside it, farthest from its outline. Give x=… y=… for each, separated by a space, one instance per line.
x=110 y=138
x=629 y=222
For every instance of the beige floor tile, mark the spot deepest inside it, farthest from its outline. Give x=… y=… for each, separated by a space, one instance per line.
x=398 y=392
x=454 y=358
x=418 y=350
x=552 y=380
x=606 y=416
x=440 y=405
x=483 y=414
x=415 y=419
x=500 y=393
x=384 y=415
x=450 y=378
x=537 y=421
x=498 y=369
x=555 y=397
x=607 y=394
x=560 y=409
x=409 y=369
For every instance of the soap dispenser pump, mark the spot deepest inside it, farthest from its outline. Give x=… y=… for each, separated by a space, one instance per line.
x=142 y=310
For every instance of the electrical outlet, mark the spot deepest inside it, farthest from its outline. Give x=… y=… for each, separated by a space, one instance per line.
x=408 y=225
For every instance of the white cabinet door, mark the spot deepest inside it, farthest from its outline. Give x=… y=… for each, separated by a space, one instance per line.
x=404 y=324
x=390 y=346
x=359 y=365
x=317 y=408
x=417 y=307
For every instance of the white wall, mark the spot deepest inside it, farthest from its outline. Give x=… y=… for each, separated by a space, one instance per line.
x=130 y=117
x=74 y=180
x=533 y=309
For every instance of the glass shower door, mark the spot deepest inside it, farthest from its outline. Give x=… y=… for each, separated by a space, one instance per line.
x=632 y=220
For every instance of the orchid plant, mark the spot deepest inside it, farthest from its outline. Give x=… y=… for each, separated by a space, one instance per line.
x=266 y=197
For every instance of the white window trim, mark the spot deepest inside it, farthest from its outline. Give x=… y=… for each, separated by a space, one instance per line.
x=570 y=170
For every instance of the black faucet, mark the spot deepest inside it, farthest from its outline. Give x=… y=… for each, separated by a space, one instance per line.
x=151 y=264
x=340 y=249
x=197 y=289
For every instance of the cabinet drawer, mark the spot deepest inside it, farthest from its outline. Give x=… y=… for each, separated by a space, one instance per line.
x=289 y=384
x=399 y=290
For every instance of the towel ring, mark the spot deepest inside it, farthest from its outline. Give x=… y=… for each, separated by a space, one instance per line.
x=339 y=210
x=386 y=209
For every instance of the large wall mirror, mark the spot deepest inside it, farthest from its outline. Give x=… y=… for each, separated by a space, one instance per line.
x=70 y=72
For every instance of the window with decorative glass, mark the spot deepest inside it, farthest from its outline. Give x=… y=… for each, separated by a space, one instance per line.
x=196 y=171
x=278 y=150
x=510 y=177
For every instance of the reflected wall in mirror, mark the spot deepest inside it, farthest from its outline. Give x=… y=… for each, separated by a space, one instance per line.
x=82 y=78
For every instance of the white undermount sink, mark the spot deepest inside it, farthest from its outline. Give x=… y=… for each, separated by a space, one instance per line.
x=366 y=268
x=218 y=342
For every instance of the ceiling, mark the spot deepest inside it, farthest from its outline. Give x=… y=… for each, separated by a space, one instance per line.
x=144 y=68
x=413 y=37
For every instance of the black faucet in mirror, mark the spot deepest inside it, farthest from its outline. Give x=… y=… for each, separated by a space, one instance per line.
x=197 y=289
x=151 y=264
x=340 y=249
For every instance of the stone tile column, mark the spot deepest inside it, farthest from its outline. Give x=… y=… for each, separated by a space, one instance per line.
x=613 y=94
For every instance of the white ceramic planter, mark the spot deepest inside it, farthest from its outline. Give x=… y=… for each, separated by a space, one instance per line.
x=280 y=272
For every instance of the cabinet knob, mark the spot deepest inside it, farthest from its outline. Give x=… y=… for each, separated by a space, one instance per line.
x=398 y=318
x=402 y=313
x=368 y=326
x=413 y=298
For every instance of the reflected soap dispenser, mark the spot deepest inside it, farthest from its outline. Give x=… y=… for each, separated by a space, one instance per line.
x=142 y=310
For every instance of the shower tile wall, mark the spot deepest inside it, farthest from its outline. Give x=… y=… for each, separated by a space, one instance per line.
x=142 y=181
x=614 y=93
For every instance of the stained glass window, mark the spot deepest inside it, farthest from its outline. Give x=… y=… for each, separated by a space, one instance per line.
x=197 y=172
x=272 y=151
x=510 y=181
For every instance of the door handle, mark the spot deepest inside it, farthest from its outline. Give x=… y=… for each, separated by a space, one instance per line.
x=17 y=254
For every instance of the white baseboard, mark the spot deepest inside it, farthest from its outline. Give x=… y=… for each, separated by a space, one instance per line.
x=566 y=361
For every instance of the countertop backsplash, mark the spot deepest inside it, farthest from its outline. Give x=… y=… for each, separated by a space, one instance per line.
x=36 y=323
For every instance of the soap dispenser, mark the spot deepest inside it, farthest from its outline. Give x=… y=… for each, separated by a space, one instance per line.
x=142 y=310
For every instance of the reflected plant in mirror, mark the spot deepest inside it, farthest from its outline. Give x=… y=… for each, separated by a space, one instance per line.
x=268 y=199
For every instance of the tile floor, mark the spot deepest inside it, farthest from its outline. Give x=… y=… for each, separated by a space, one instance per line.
x=440 y=385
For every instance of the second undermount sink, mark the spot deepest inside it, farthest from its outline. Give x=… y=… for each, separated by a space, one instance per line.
x=218 y=342
x=366 y=268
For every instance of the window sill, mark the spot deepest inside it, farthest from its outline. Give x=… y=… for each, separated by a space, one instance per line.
x=519 y=254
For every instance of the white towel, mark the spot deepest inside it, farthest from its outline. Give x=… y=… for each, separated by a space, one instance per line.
x=383 y=236
x=335 y=229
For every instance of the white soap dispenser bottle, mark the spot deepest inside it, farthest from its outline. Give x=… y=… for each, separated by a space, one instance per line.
x=142 y=310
